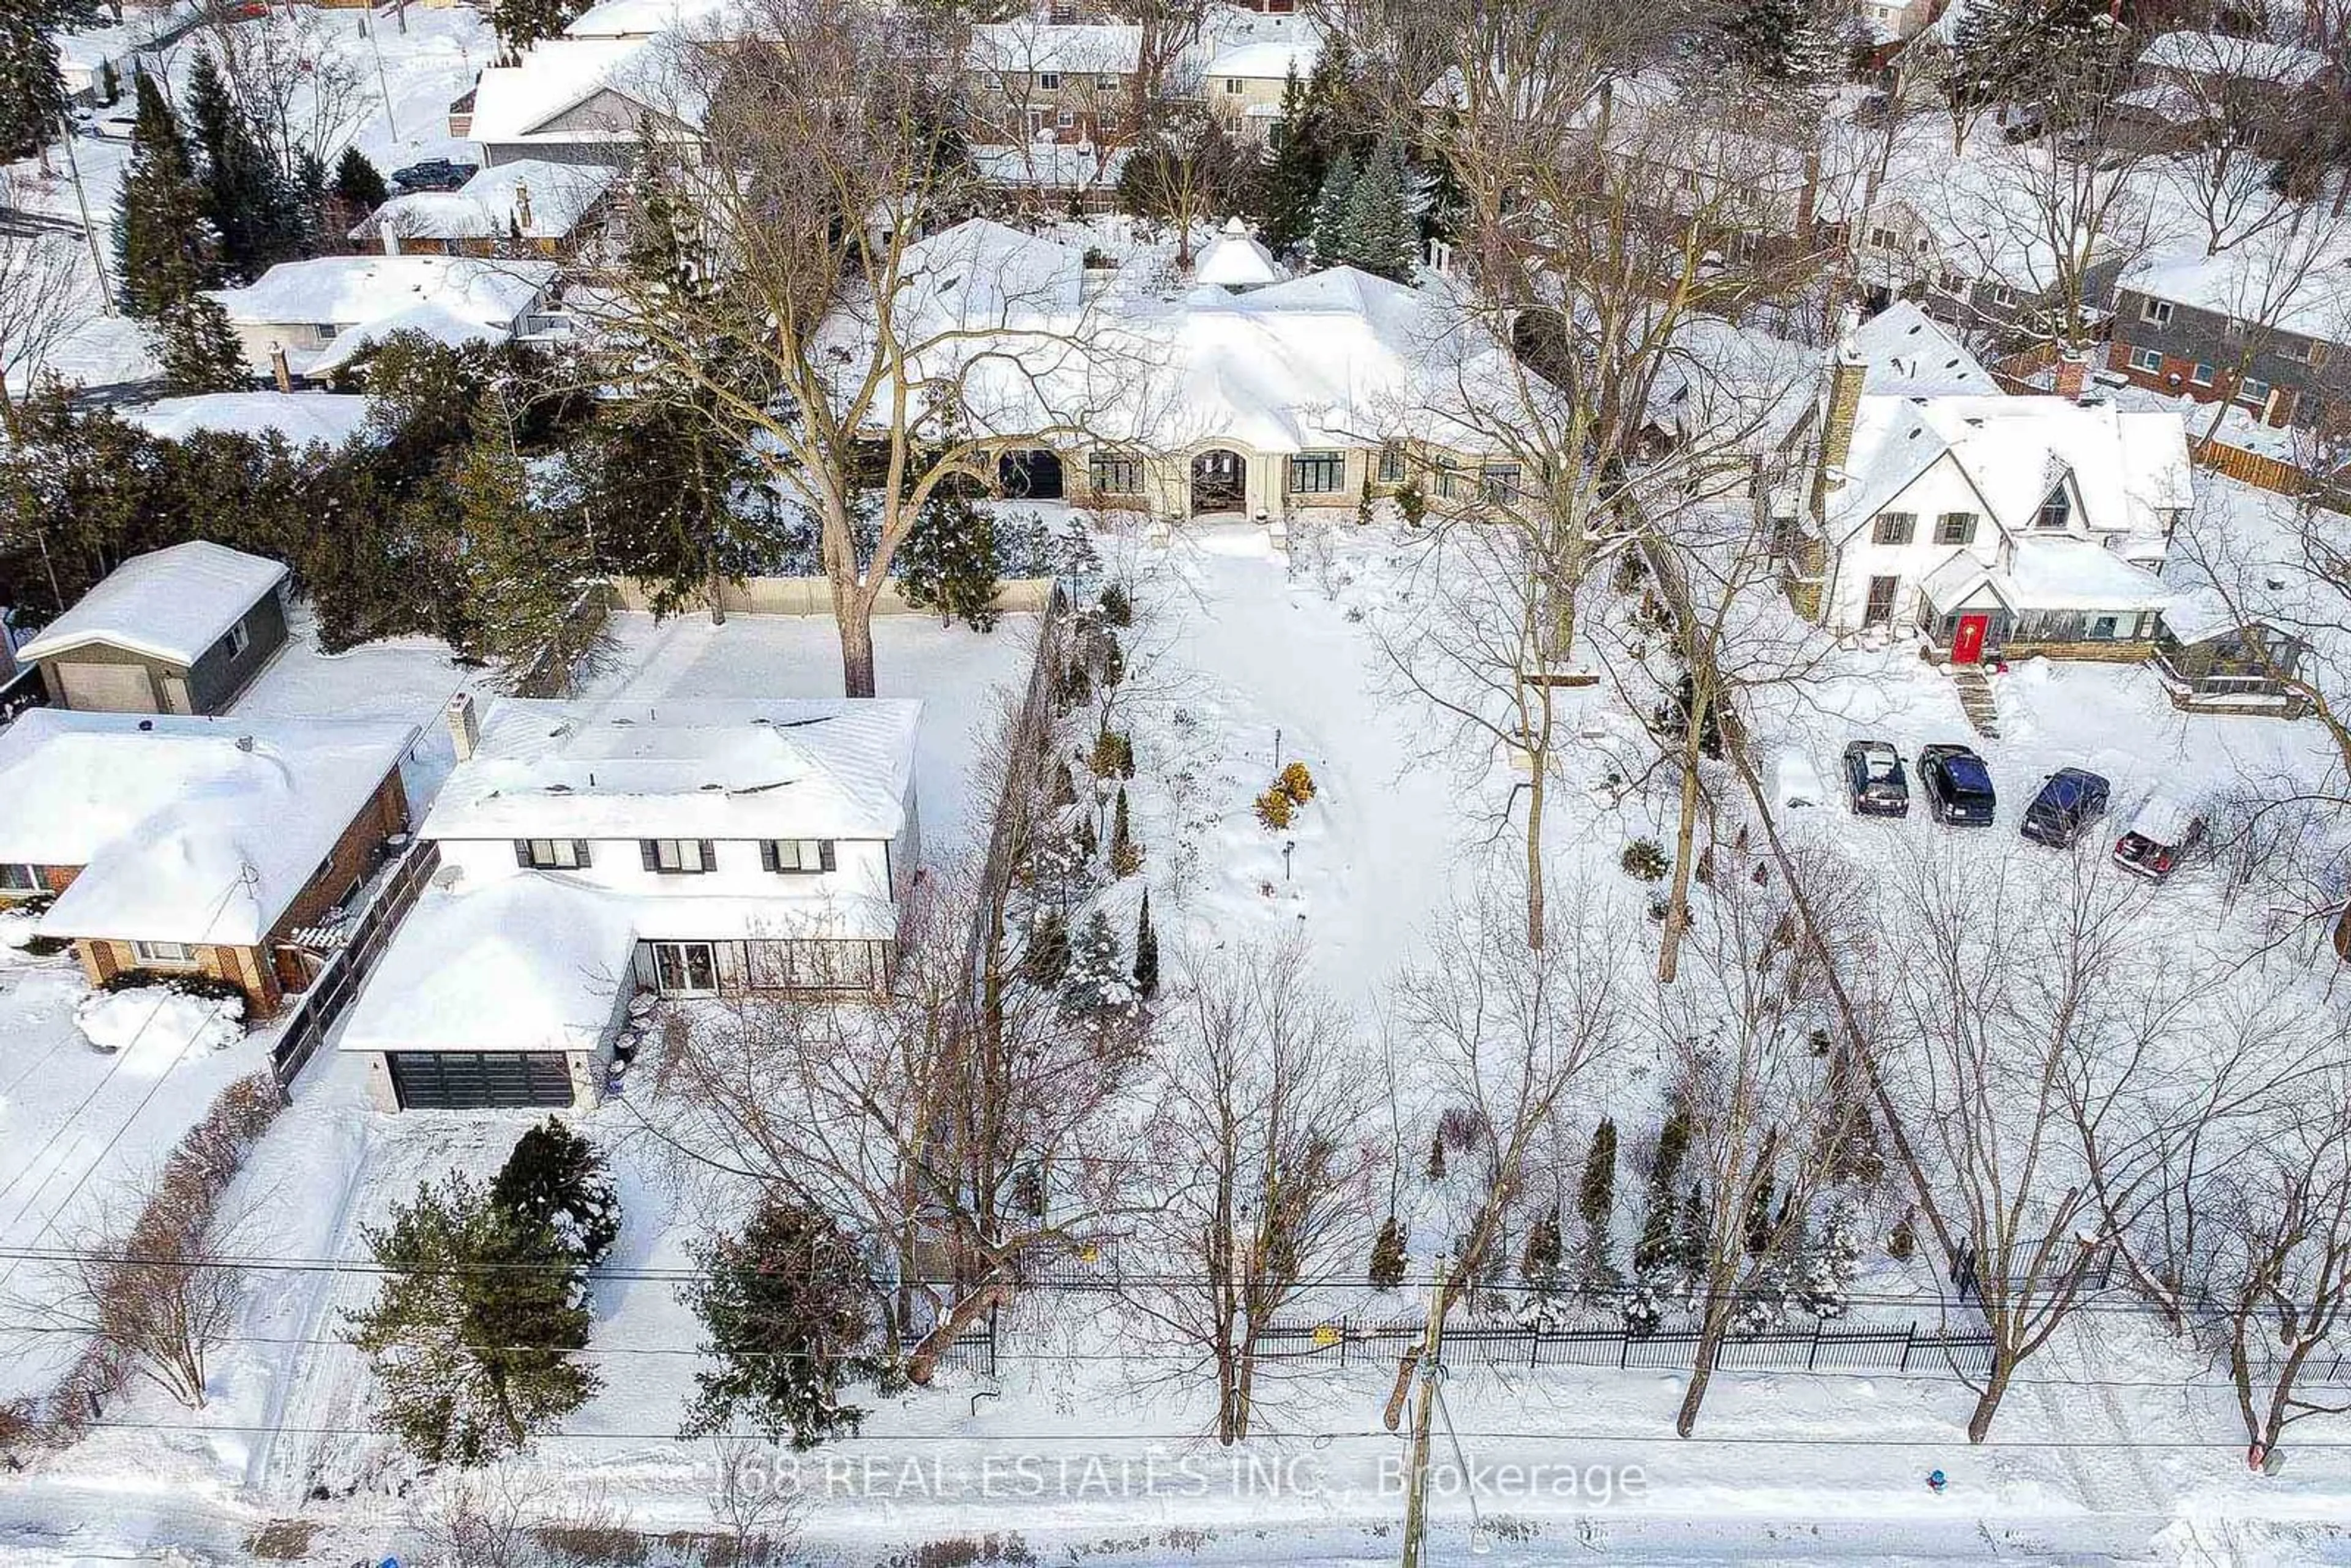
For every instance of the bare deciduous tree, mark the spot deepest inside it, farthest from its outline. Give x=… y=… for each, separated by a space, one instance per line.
x=43 y=301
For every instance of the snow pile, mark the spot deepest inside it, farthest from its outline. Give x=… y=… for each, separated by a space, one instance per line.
x=17 y=929
x=164 y=1023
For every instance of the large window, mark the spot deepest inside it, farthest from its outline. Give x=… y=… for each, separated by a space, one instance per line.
x=20 y=878
x=551 y=854
x=1111 y=475
x=685 y=968
x=1501 y=481
x=2146 y=362
x=1050 y=81
x=796 y=855
x=2055 y=511
x=1895 y=529
x=1956 y=528
x=2201 y=375
x=170 y=953
x=677 y=857
x=1318 y=473
x=2253 y=392
x=2156 y=310
x=1392 y=464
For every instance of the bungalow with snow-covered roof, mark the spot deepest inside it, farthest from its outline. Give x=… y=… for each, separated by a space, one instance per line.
x=1992 y=525
x=197 y=846
x=1298 y=396
x=529 y=207
x=590 y=852
x=583 y=101
x=180 y=630
x=317 y=316
x=300 y=419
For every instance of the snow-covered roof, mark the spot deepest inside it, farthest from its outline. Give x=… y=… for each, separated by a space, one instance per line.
x=1909 y=354
x=1033 y=45
x=2052 y=573
x=1235 y=261
x=186 y=829
x=644 y=18
x=2127 y=465
x=736 y=770
x=516 y=103
x=2298 y=282
x=452 y=329
x=347 y=292
x=1338 y=358
x=529 y=198
x=170 y=604
x=1050 y=165
x=518 y=963
x=302 y=418
x=1266 y=60
x=2220 y=55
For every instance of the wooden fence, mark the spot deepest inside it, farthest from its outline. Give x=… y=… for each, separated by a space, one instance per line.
x=1025 y=748
x=337 y=983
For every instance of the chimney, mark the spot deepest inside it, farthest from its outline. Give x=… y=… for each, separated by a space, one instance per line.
x=1845 y=377
x=522 y=206
x=279 y=369
x=2073 y=371
x=465 y=726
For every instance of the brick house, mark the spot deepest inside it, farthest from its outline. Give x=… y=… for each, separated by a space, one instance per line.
x=1039 y=81
x=2260 y=325
x=195 y=845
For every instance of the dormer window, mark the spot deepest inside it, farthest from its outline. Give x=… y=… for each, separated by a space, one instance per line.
x=2056 y=511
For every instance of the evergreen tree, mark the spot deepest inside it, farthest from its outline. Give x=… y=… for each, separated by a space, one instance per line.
x=1295 y=167
x=1673 y=1144
x=317 y=229
x=1785 y=43
x=1436 y=1157
x=1902 y=1243
x=1824 y=1283
x=556 y=1179
x=522 y=23
x=1147 y=952
x=165 y=244
x=1539 y=1259
x=1388 y=1255
x=251 y=206
x=784 y=1310
x=32 y=92
x=1096 y=991
x=1125 y=854
x=1334 y=239
x=197 y=349
x=1595 y=1198
x=357 y=184
x=948 y=561
x=1654 y=1250
x=1759 y=1225
x=472 y=1334
x=1378 y=230
x=522 y=568
x=1047 y=958
x=1693 y=1231
x=109 y=84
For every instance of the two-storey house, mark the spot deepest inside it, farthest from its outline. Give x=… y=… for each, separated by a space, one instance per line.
x=2263 y=324
x=591 y=852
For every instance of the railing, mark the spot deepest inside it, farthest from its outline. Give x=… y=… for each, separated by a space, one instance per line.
x=1825 y=1346
x=336 y=984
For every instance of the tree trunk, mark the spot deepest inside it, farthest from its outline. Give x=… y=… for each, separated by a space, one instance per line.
x=717 y=605
x=1995 y=1389
x=1534 y=851
x=1713 y=1324
x=924 y=1364
x=855 y=614
x=1669 y=951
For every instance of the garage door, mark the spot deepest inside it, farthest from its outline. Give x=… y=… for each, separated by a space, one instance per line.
x=472 y=1080
x=107 y=688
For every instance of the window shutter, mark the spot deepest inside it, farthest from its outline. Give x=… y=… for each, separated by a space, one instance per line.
x=522 y=852
x=709 y=856
x=580 y=853
x=645 y=847
x=767 y=860
x=824 y=854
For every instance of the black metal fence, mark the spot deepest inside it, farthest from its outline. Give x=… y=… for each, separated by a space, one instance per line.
x=1828 y=1347
x=336 y=984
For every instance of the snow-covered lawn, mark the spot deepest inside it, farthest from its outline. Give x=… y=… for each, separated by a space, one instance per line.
x=81 y=1129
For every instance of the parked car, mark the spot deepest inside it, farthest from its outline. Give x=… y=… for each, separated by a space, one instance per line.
x=2071 y=799
x=2162 y=832
x=432 y=175
x=1957 y=786
x=114 y=126
x=1874 y=784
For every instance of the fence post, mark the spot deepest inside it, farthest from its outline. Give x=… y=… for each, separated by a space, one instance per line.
x=1345 y=1335
x=1910 y=1333
x=1624 y=1348
x=1812 y=1351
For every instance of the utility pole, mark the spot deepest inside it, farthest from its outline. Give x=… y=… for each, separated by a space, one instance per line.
x=88 y=230
x=1423 y=1412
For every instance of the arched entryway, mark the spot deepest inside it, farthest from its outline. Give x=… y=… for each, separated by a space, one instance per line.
x=1034 y=474
x=1219 y=482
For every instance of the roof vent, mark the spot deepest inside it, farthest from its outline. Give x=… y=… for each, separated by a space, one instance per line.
x=244 y=743
x=146 y=724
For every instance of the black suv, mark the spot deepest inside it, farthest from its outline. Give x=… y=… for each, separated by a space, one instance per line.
x=1874 y=784
x=1957 y=786
x=432 y=175
x=2071 y=799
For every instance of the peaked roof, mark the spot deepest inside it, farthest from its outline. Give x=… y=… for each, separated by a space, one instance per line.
x=491 y=205
x=1909 y=354
x=1234 y=260
x=302 y=418
x=738 y=769
x=170 y=604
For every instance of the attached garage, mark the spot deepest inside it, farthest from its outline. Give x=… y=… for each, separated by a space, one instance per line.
x=480 y=1080
x=104 y=688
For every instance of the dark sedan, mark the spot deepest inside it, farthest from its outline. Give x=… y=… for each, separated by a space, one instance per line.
x=432 y=175
x=2071 y=799
x=1957 y=786
x=1874 y=784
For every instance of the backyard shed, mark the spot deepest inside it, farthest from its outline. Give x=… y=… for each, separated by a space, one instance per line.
x=180 y=630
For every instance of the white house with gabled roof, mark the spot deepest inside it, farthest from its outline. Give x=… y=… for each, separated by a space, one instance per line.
x=590 y=852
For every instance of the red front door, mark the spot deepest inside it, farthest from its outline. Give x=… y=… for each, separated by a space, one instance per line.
x=1967 y=646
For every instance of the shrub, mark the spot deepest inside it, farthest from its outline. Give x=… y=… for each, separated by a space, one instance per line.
x=210 y=988
x=1904 y=1242
x=1117 y=609
x=1644 y=860
x=1388 y=1255
x=1047 y=958
x=1111 y=750
x=1273 y=809
x=1125 y=854
x=558 y=1178
x=1297 y=783
x=46 y=946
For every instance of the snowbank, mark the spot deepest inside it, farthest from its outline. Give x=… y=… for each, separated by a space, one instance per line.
x=161 y=1021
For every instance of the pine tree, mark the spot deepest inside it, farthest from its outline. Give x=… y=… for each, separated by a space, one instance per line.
x=1089 y=842
x=1782 y=42
x=1539 y=1259
x=784 y=1314
x=1654 y=1249
x=1334 y=240
x=1673 y=1144
x=1147 y=952
x=165 y=244
x=1047 y=958
x=1825 y=1287
x=1388 y=1255
x=197 y=348
x=556 y=1179
x=1295 y=167
x=109 y=84
x=1378 y=233
x=357 y=182
x=471 y=1333
x=1064 y=793
x=316 y=229
x=1595 y=1206
x=1437 y=1157
x=248 y=201
x=948 y=560
x=32 y=92
x=1125 y=854
x=1096 y=992
x=1693 y=1232
x=522 y=23
x=522 y=568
